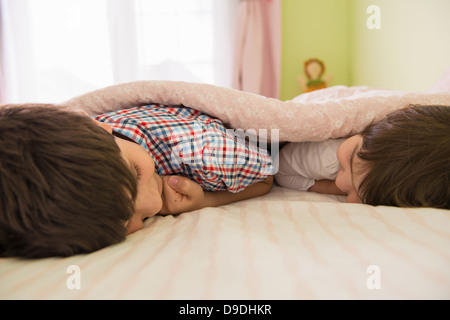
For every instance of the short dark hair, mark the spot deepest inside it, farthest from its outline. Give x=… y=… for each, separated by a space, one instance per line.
x=65 y=189
x=406 y=158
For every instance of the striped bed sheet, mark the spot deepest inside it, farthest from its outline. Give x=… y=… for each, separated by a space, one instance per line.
x=285 y=245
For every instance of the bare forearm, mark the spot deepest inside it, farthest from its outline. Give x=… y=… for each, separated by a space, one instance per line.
x=326 y=187
x=215 y=199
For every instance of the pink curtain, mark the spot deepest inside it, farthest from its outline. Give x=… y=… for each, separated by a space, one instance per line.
x=257 y=55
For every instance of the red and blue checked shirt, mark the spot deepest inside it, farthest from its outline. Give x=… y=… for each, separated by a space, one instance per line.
x=184 y=141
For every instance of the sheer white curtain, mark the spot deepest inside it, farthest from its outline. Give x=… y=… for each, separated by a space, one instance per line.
x=57 y=49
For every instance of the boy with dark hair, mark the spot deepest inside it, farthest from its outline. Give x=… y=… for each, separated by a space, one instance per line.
x=71 y=184
x=402 y=160
x=405 y=159
x=65 y=188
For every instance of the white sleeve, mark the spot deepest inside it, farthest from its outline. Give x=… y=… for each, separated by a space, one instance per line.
x=302 y=163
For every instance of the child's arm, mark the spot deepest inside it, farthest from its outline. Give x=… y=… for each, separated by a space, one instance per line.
x=215 y=199
x=187 y=195
x=326 y=187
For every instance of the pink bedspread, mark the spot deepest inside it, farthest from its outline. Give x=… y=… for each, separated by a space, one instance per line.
x=333 y=112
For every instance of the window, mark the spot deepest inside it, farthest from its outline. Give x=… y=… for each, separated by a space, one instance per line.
x=57 y=49
x=175 y=39
x=69 y=47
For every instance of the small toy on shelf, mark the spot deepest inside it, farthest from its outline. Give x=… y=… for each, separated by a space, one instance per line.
x=314 y=70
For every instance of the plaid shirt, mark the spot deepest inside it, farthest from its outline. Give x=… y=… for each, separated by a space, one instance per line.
x=184 y=141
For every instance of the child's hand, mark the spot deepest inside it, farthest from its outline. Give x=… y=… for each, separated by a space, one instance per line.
x=180 y=194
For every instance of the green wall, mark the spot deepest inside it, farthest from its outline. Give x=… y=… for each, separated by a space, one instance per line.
x=410 y=51
x=315 y=29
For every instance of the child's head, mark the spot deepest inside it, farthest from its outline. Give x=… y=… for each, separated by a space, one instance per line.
x=402 y=160
x=65 y=188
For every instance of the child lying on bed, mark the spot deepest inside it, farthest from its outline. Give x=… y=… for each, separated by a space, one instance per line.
x=403 y=160
x=71 y=184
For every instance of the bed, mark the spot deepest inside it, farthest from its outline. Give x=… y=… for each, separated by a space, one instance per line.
x=285 y=245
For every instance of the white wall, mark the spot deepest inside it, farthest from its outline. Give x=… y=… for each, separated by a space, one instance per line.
x=411 y=51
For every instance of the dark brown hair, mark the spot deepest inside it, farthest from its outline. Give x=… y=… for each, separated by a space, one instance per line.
x=65 y=188
x=406 y=158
